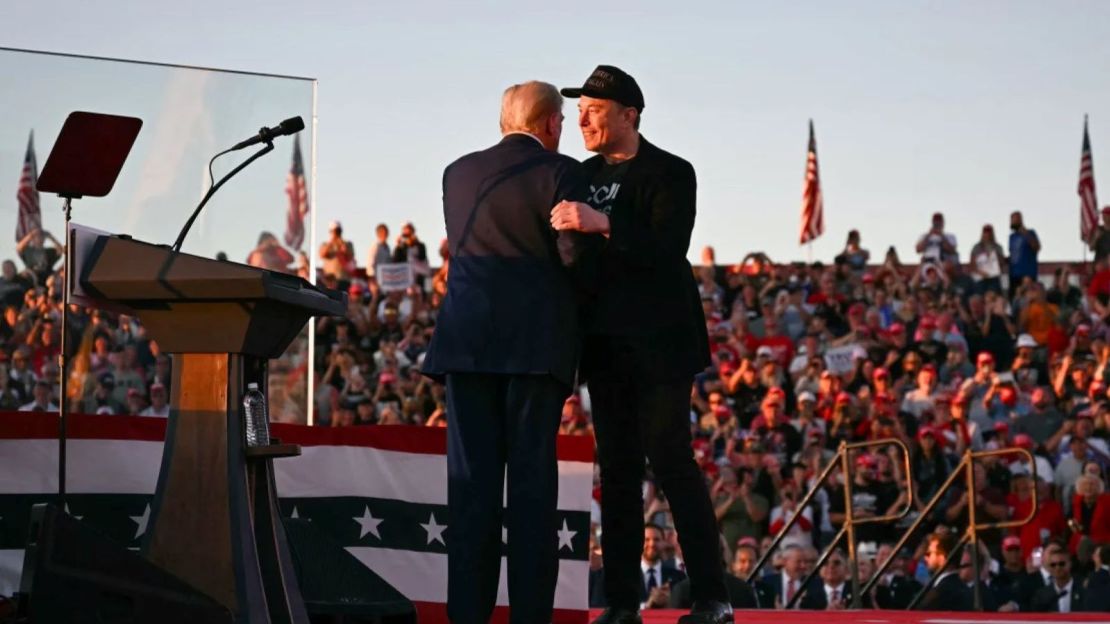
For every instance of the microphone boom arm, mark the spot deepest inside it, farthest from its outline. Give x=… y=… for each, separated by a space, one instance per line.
x=215 y=187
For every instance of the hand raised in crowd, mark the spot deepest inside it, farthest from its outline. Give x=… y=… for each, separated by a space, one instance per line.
x=660 y=596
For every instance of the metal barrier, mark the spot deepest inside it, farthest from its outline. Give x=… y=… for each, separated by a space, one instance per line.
x=850 y=521
x=972 y=534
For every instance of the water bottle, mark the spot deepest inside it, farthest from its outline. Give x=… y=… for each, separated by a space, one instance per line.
x=256 y=419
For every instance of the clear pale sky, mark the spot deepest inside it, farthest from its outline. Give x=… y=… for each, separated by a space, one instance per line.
x=971 y=108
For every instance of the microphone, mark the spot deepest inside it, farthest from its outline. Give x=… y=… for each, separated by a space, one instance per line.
x=265 y=135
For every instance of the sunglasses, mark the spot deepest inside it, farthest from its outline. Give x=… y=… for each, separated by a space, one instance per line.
x=1058 y=564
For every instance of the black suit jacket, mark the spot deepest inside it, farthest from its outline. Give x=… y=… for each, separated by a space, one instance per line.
x=816 y=599
x=950 y=594
x=898 y=594
x=1046 y=599
x=1097 y=591
x=740 y=594
x=769 y=590
x=671 y=576
x=511 y=305
x=647 y=300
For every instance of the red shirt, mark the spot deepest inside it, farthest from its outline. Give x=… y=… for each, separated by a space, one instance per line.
x=782 y=348
x=1050 y=516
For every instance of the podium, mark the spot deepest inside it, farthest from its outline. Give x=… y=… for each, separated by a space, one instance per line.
x=215 y=522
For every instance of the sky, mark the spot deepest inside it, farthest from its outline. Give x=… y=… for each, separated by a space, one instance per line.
x=973 y=109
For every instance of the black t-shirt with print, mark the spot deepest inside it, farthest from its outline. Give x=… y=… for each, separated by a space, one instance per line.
x=606 y=185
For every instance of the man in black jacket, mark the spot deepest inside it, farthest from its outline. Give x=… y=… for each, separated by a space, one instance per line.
x=507 y=342
x=645 y=341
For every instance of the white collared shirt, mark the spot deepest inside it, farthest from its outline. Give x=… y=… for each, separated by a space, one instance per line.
x=658 y=571
x=658 y=568
x=1063 y=603
x=839 y=589
x=786 y=580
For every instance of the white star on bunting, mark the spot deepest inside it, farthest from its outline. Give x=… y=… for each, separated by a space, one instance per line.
x=369 y=524
x=435 y=530
x=565 y=537
x=142 y=521
x=295 y=513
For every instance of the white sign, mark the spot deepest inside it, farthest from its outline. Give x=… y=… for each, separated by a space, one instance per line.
x=842 y=360
x=394 y=276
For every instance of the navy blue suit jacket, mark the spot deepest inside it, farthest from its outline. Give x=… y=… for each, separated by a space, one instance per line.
x=512 y=301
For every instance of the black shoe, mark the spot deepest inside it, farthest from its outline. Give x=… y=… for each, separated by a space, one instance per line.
x=709 y=612
x=616 y=615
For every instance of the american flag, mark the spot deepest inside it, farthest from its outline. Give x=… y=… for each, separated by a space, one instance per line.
x=1088 y=211
x=813 y=207
x=30 y=217
x=298 y=199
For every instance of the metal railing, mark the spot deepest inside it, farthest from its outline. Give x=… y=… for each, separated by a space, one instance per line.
x=967 y=465
x=850 y=521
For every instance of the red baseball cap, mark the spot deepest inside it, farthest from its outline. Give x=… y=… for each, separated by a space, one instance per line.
x=868 y=278
x=857 y=309
x=882 y=373
x=1022 y=440
x=865 y=460
x=1009 y=396
x=1012 y=541
x=1002 y=427
x=843 y=399
x=984 y=358
x=897 y=328
x=927 y=322
x=727 y=368
x=928 y=431
x=929 y=368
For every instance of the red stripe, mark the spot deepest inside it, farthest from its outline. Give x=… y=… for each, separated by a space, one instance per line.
x=400 y=438
x=436 y=613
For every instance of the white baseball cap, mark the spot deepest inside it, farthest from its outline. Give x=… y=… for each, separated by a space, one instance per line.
x=1025 y=340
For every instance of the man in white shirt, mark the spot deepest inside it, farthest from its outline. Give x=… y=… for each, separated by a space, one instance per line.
x=42 y=402
x=1063 y=594
x=936 y=245
x=159 y=406
x=836 y=592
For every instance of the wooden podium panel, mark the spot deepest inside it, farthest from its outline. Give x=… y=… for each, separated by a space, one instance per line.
x=215 y=522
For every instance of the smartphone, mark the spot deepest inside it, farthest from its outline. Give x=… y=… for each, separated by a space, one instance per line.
x=1037 y=557
x=1006 y=377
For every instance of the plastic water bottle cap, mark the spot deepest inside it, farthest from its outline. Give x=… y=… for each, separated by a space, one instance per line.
x=252 y=386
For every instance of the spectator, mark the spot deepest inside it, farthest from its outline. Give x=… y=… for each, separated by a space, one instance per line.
x=854 y=255
x=338 y=256
x=270 y=255
x=778 y=590
x=986 y=262
x=833 y=594
x=379 y=252
x=1090 y=512
x=1100 y=244
x=1024 y=247
x=410 y=249
x=41 y=401
x=159 y=406
x=1063 y=594
x=739 y=510
x=937 y=246
x=39 y=259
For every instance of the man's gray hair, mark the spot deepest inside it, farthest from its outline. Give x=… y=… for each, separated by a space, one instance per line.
x=525 y=107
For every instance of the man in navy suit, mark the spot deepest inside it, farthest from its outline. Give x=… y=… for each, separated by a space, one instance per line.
x=645 y=341
x=506 y=341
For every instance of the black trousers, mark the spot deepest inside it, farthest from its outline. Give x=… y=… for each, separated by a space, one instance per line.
x=634 y=420
x=497 y=423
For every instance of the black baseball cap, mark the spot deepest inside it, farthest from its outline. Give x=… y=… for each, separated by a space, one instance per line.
x=610 y=83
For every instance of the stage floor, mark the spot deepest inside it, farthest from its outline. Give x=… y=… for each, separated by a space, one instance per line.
x=881 y=617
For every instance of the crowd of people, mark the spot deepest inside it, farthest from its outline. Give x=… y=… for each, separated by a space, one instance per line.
x=948 y=354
